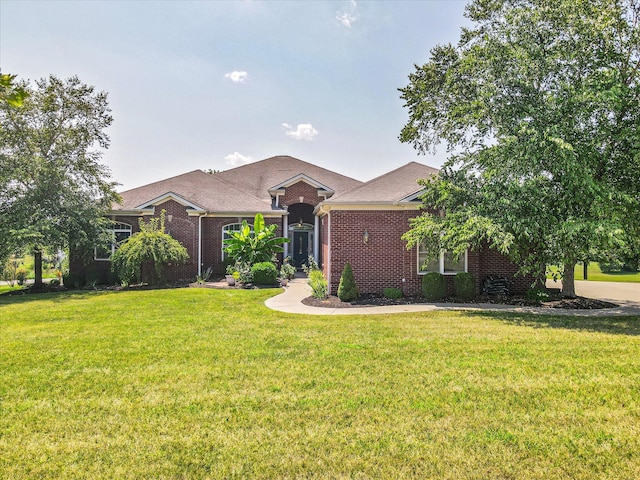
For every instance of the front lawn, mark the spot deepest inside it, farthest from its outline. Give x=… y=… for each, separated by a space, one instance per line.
x=199 y=383
x=8 y=288
x=594 y=274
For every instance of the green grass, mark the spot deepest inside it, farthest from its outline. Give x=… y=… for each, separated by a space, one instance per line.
x=199 y=383
x=596 y=275
x=7 y=288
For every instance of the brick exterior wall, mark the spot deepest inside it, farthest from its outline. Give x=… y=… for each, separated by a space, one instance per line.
x=212 y=239
x=384 y=260
x=294 y=192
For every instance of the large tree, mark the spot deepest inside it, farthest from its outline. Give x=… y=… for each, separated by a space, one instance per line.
x=10 y=92
x=539 y=105
x=54 y=191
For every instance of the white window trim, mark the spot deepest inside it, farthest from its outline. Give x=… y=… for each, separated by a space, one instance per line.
x=225 y=228
x=441 y=263
x=118 y=227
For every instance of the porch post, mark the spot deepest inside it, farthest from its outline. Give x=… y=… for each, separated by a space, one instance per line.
x=316 y=237
x=285 y=233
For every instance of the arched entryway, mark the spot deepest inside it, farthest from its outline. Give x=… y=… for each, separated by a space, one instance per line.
x=301 y=233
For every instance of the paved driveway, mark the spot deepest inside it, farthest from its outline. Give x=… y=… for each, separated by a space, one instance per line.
x=628 y=293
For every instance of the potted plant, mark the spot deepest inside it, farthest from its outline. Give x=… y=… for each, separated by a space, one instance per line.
x=287 y=272
x=231 y=275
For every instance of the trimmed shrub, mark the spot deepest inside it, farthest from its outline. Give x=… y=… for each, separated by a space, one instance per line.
x=21 y=275
x=611 y=265
x=73 y=280
x=433 y=286
x=264 y=273
x=537 y=295
x=287 y=270
x=464 y=286
x=392 y=293
x=318 y=284
x=347 y=289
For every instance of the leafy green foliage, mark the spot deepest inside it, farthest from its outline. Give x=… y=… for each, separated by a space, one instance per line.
x=318 y=284
x=536 y=295
x=150 y=247
x=14 y=95
x=53 y=190
x=347 y=289
x=310 y=265
x=433 y=286
x=264 y=273
x=204 y=276
x=391 y=292
x=259 y=245
x=541 y=102
x=287 y=270
x=464 y=286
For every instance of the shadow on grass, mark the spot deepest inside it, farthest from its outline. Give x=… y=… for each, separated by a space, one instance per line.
x=57 y=296
x=629 y=325
x=16 y=298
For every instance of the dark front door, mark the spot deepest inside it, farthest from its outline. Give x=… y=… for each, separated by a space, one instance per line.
x=300 y=248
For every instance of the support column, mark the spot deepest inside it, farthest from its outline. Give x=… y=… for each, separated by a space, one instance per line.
x=285 y=233
x=316 y=237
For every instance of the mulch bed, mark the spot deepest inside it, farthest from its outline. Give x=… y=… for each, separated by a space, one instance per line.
x=578 y=303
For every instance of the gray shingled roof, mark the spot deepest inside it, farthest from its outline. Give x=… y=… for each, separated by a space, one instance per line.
x=205 y=190
x=258 y=177
x=241 y=189
x=388 y=188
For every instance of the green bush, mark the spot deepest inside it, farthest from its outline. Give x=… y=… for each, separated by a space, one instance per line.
x=150 y=246
x=73 y=280
x=464 y=286
x=21 y=275
x=611 y=265
x=537 y=295
x=347 y=289
x=287 y=270
x=433 y=286
x=318 y=284
x=264 y=273
x=310 y=265
x=228 y=263
x=392 y=293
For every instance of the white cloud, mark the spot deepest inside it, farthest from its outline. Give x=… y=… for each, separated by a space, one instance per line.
x=304 y=131
x=237 y=77
x=236 y=159
x=348 y=17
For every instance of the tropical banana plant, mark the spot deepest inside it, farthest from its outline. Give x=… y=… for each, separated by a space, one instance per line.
x=260 y=245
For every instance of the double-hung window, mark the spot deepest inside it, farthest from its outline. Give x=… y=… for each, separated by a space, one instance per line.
x=121 y=232
x=447 y=264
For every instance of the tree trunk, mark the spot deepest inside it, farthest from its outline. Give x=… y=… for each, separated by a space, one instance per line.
x=37 y=268
x=568 y=280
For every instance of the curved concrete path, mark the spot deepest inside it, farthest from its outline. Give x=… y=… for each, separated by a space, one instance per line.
x=290 y=301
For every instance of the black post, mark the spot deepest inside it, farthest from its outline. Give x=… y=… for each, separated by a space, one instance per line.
x=585 y=265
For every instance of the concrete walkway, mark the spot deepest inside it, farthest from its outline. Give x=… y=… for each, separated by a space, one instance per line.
x=290 y=301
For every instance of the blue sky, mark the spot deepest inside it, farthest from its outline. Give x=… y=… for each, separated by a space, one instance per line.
x=216 y=84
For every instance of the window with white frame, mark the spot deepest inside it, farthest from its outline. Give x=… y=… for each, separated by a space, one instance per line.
x=226 y=234
x=121 y=232
x=447 y=264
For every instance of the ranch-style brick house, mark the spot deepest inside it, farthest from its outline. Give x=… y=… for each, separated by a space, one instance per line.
x=335 y=218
